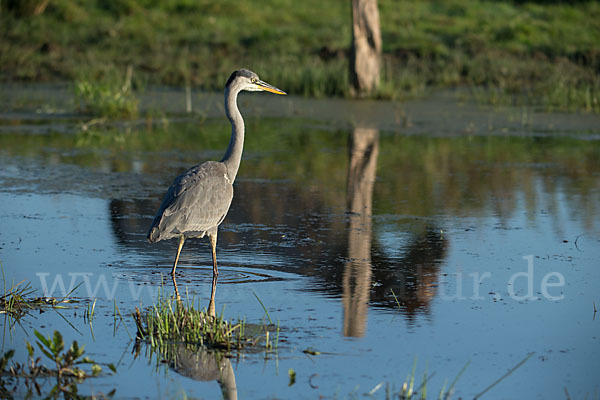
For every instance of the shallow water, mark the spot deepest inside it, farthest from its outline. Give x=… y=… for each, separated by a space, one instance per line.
x=440 y=231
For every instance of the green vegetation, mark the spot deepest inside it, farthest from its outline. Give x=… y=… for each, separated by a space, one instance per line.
x=545 y=54
x=107 y=98
x=171 y=321
x=16 y=301
x=549 y=54
x=410 y=390
x=67 y=369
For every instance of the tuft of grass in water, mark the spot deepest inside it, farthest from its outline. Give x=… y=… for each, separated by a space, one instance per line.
x=171 y=321
x=410 y=390
x=67 y=368
x=17 y=300
x=174 y=321
x=13 y=301
x=107 y=97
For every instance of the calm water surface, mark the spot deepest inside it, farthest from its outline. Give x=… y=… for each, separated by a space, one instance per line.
x=431 y=230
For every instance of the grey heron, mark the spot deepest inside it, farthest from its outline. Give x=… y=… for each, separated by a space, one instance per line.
x=198 y=200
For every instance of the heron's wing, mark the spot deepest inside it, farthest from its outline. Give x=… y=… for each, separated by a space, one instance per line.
x=197 y=201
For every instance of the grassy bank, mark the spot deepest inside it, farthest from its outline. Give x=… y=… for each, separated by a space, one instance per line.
x=550 y=53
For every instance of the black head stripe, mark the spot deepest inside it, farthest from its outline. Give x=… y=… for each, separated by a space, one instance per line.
x=241 y=72
x=231 y=78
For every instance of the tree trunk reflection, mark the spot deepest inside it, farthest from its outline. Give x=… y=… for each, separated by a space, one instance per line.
x=362 y=165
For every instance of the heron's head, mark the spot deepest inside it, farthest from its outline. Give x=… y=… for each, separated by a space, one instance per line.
x=244 y=79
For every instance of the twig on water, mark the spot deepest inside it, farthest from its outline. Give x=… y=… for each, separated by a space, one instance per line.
x=576 y=239
x=396 y=298
x=513 y=369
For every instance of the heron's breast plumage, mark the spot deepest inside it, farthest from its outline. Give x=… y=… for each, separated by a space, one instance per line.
x=195 y=203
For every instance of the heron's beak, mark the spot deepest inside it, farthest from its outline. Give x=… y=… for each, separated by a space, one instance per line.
x=265 y=86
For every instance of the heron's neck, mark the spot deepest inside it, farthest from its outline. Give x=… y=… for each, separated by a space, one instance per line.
x=233 y=155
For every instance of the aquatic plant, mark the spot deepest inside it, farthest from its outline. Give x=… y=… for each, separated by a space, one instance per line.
x=171 y=320
x=410 y=390
x=67 y=368
x=17 y=300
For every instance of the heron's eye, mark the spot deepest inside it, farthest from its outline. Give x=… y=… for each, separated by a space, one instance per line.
x=253 y=80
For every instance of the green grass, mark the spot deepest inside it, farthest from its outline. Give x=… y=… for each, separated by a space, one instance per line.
x=17 y=301
x=546 y=54
x=411 y=389
x=174 y=321
x=108 y=97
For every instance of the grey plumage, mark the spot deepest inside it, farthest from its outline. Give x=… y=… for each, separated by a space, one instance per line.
x=195 y=203
x=198 y=200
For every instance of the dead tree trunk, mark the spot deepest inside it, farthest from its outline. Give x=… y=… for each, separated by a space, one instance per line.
x=365 y=56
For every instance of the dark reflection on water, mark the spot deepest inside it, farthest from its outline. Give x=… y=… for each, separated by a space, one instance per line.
x=412 y=279
x=359 y=212
x=197 y=363
x=363 y=149
x=412 y=185
x=297 y=232
x=202 y=365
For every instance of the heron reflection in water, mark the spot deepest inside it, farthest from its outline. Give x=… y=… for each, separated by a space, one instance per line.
x=199 y=199
x=202 y=365
x=195 y=362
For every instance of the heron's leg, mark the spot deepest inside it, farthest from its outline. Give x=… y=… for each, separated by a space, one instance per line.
x=181 y=240
x=211 y=304
x=176 y=290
